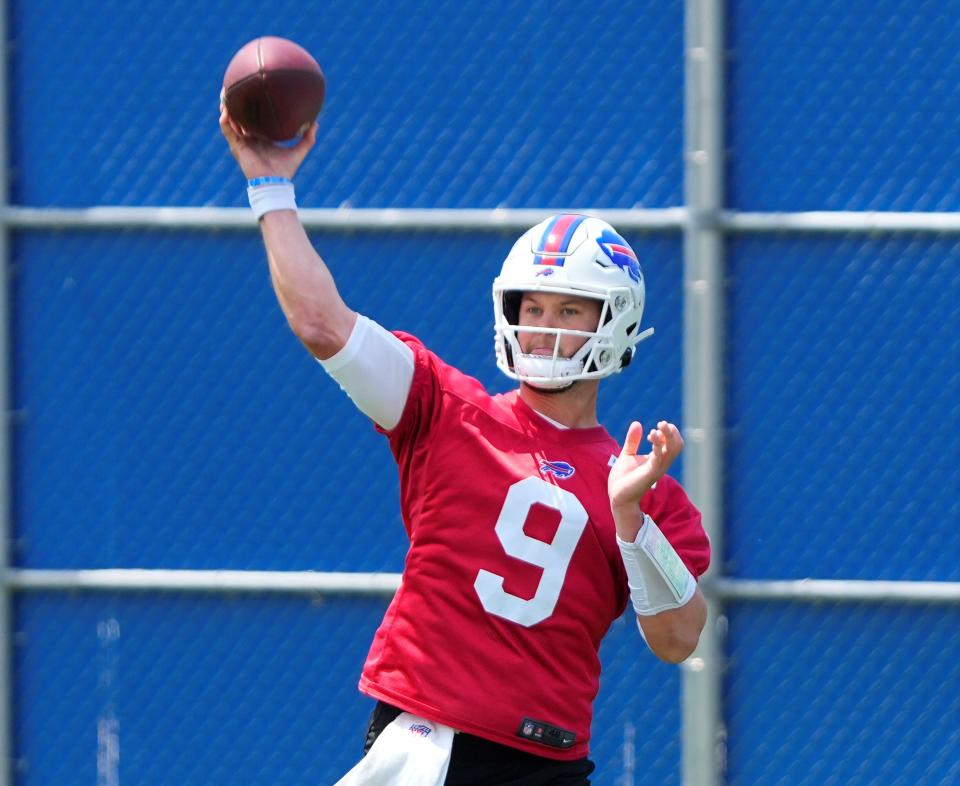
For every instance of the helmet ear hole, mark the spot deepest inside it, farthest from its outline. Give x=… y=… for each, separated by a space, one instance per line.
x=508 y=352
x=511 y=307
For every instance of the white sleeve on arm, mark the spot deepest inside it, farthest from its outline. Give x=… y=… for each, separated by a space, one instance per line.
x=658 y=578
x=374 y=368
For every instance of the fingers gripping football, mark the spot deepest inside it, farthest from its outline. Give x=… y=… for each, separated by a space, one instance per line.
x=258 y=157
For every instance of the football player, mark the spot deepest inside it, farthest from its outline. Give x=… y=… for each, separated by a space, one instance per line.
x=531 y=528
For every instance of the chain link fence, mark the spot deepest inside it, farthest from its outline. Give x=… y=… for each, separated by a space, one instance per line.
x=164 y=421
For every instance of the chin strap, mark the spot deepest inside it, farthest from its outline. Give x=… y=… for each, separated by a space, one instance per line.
x=547 y=373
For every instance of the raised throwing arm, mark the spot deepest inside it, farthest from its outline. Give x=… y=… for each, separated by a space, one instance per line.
x=303 y=284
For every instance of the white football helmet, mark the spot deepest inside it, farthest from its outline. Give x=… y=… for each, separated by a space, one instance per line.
x=575 y=255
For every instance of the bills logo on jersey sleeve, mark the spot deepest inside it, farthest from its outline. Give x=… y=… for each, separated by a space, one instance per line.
x=619 y=253
x=559 y=469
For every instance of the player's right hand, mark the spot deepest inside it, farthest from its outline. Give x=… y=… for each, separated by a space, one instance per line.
x=261 y=158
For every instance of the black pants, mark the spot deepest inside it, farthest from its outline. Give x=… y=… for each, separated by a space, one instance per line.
x=475 y=761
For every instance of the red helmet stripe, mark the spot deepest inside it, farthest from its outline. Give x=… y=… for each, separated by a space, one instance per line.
x=623 y=250
x=556 y=238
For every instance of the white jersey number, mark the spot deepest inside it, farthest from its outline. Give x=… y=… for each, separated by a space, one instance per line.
x=553 y=557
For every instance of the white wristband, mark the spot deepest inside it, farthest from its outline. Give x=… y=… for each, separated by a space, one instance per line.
x=270 y=193
x=657 y=577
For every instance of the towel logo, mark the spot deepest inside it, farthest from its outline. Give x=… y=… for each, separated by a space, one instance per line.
x=423 y=729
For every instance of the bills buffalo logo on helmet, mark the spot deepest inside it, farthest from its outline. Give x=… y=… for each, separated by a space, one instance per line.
x=617 y=250
x=559 y=469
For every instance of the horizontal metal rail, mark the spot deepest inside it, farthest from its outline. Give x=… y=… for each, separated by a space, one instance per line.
x=821 y=221
x=217 y=581
x=332 y=583
x=819 y=590
x=366 y=219
x=497 y=219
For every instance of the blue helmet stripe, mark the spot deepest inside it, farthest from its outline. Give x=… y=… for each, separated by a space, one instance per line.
x=551 y=244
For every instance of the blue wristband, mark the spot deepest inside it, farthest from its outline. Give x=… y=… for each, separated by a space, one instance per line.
x=269 y=180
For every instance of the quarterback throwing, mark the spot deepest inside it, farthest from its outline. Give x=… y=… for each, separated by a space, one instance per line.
x=530 y=527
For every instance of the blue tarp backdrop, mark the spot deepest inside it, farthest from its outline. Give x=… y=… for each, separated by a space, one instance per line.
x=167 y=418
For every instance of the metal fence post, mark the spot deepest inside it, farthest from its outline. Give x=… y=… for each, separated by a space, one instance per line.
x=703 y=379
x=6 y=414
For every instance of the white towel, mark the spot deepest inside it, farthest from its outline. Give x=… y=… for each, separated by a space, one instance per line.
x=410 y=751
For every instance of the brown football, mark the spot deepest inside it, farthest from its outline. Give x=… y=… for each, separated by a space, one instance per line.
x=273 y=88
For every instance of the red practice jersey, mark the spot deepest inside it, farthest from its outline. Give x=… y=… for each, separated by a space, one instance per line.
x=513 y=575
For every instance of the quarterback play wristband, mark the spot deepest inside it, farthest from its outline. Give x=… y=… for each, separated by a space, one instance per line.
x=657 y=577
x=270 y=193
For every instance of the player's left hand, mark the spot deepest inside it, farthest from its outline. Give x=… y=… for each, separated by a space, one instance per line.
x=633 y=475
